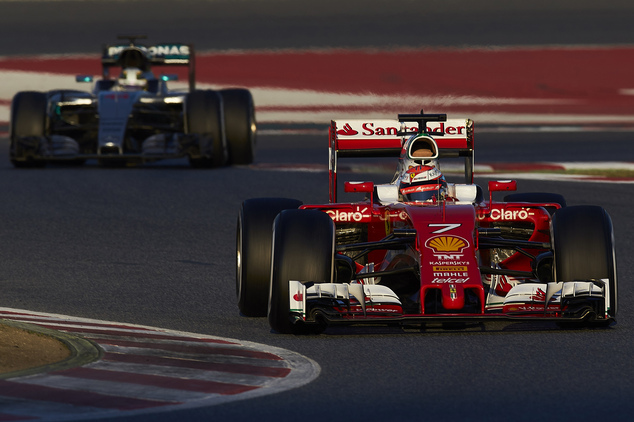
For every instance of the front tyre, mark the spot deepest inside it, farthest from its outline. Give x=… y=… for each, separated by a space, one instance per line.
x=253 y=252
x=583 y=248
x=204 y=118
x=28 y=127
x=303 y=250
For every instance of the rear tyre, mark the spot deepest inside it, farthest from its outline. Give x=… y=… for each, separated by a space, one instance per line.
x=28 y=120
x=253 y=252
x=240 y=125
x=583 y=248
x=303 y=250
x=204 y=117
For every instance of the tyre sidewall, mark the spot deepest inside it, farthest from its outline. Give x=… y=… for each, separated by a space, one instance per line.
x=303 y=250
x=239 y=114
x=583 y=247
x=28 y=119
x=254 y=236
x=204 y=117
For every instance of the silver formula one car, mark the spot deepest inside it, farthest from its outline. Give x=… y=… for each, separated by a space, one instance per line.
x=134 y=118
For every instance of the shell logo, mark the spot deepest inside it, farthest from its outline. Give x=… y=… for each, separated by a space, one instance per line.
x=446 y=244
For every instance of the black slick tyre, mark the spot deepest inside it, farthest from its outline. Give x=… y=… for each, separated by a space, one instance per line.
x=28 y=123
x=303 y=250
x=253 y=252
x=240 y=126
x=583 y=248
x=204 y=118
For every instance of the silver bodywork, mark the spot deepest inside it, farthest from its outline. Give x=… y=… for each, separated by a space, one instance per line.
x=129 y=118
x=116 y=128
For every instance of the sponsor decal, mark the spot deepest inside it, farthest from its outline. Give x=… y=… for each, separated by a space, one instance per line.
x=449 y=268
x=539 y=296
x=414 y=170
x=503 y=286
x=501 y=214
x=449 y=259
x=369 y=129
x=420 y=188
x=449 y=130
x=445 y=280
x=452 y=274
x=296 y=303
x=370 y=308
x=453 y=293
x=421 y=173
x=444 y=227
x=362 y=213
x=155 y=50
x=387 y=308
x=169 y=50
x=532 y=308
x=347 y=130
x=441 y=244
x=115 y=50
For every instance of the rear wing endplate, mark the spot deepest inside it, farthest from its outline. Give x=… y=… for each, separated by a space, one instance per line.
x=385 y=138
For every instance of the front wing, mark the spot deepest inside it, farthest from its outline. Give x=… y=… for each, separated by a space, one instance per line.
x=356 y=303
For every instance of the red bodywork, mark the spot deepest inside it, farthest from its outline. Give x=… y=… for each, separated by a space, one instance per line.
x=446 y=247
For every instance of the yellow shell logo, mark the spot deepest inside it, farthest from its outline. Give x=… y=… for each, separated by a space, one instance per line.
x=446 y=244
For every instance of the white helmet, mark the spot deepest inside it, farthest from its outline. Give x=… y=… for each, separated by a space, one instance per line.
x=132 y=79
x=419 y=178
x=422 y=183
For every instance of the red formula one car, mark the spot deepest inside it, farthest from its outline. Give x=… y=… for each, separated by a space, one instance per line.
x=420 y=249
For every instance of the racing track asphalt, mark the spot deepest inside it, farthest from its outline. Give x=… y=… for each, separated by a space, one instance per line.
x=154 y=246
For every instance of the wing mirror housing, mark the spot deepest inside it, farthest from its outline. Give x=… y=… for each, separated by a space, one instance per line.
x=358 y=187
x=83 y=78
x=500 y=186
x=367 y=187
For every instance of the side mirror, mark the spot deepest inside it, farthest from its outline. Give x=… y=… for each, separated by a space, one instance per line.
x=360 y=187
x=501 y=185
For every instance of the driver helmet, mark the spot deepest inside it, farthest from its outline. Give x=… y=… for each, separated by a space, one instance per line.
x=133 y=57
x=132 y=79
x=422 y=182
x=419 y=177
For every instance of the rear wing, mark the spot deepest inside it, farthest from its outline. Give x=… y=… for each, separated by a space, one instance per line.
x=168 y=54
x=385 y=138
